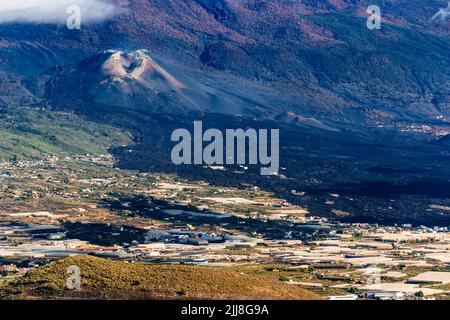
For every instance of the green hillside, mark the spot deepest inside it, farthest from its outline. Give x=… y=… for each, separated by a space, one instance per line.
x=31 y=133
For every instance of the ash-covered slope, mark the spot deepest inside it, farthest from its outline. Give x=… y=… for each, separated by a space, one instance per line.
x=136 y=80
x=358 y=107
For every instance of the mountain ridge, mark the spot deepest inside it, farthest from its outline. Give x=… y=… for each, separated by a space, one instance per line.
x=307 y=50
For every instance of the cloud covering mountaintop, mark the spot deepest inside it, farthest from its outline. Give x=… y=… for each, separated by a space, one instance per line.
x=55 y=11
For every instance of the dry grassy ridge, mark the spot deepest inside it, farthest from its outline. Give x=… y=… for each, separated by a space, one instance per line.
x=107 y=279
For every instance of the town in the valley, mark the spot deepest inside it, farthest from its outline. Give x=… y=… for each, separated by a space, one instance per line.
x=62 y=206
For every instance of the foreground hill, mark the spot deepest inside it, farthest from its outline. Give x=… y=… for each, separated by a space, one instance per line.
x=106 y=279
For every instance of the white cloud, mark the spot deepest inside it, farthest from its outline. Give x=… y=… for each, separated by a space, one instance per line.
x=55 y=11
x=442 y=14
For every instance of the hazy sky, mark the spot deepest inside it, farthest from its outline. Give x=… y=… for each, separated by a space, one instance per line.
x=54 y=11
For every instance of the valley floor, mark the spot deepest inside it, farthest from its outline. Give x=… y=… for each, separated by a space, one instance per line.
x=79 y=206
